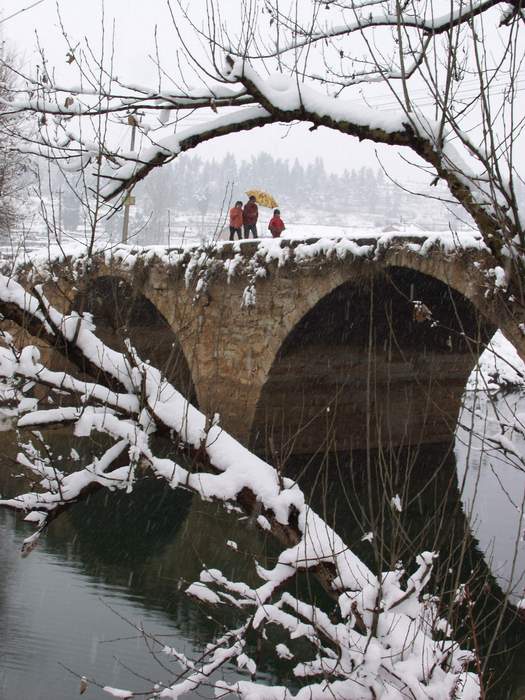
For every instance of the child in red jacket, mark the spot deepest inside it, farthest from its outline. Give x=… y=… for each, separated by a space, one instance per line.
x=276 y=225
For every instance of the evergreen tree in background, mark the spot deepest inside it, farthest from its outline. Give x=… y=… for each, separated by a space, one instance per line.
x=306 y=193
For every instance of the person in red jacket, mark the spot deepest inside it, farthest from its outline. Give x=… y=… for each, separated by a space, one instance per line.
x=236 y=221
x=276 y=225
x=250 y=215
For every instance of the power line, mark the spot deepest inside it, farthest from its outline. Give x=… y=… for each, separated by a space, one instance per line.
x=428 y=100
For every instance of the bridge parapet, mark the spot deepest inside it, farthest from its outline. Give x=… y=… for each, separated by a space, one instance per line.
x=283 y=252
x=442 y=255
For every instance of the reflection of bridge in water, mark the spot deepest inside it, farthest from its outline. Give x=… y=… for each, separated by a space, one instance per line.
x=300 y=340
x=139 y=546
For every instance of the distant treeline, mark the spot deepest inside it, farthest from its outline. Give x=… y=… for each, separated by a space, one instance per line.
x=193 y=184
x=305 y=192
x=199 y=188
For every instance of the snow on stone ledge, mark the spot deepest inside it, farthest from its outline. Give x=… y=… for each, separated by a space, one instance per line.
x=499 y=367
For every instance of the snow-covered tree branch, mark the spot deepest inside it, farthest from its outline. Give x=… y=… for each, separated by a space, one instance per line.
x=275 y=65
x=387 y=638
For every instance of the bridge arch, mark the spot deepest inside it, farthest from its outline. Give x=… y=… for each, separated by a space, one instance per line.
x=121 y=310
x=363 y=366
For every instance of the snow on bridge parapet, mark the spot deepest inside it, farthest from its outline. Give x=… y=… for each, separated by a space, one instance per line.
x=243 y=255
x=254 y=257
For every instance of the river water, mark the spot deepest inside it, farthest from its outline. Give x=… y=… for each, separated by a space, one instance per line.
x=118 y=564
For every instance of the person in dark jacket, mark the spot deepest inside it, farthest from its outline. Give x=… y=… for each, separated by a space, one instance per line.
x=250 y=215
x=276 y=225
x=236 y=221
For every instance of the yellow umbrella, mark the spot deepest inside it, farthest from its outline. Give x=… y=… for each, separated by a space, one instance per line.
x=263 y=198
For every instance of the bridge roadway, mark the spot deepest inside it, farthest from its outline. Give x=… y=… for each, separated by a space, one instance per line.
x=300 y=344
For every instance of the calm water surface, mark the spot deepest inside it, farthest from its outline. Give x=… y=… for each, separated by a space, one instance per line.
x=102 y=569
x=119 y=562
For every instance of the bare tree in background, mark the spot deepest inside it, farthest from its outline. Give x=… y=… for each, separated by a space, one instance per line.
x=13 y=164
x=452 y=72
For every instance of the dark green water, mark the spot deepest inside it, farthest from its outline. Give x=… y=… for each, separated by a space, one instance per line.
x=122 y=559
x=104 y=566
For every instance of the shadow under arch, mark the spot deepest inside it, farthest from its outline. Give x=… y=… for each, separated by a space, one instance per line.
x=121 y=311
x=393 y=377
x=368 y=367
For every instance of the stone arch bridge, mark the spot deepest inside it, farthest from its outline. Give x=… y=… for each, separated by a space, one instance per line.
x=304 y=345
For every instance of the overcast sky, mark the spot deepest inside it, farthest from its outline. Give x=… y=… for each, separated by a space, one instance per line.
x=135 y=22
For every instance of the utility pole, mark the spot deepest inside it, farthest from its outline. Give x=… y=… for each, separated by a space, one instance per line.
x=59 y=228
x=129 y=200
